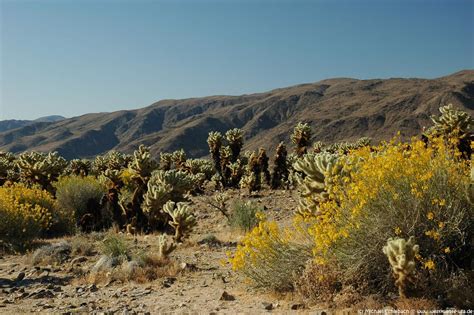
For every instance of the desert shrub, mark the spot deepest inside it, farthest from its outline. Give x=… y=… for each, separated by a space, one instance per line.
x=319 y=283
x=115 y=246
x=400 y=190
x=83 y=244
x=52 y=254
x=272 y=257
x=80 y=195
x=28 y=213
x=244 y=216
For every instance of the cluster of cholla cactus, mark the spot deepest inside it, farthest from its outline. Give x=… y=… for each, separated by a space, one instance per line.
x=341 y=147
x=8 y=169
x=316 y=186
x=453 y=123
x=182 y=220
x=401 y=256
x=40 y=168
x=252 y=179
x=225 y=154
x=215 y=141
x=164 y=186
x=257 y=165
x=79 y=167
x=301 y=138
x=113 y=160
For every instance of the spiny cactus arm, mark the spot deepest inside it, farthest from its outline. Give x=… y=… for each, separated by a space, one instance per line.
x=401 y=256
x=182 y=220
x=165 y=247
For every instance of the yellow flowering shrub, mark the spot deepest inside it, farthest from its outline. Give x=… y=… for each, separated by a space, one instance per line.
x=270 y=256
x=396 y=189
x=26 y=213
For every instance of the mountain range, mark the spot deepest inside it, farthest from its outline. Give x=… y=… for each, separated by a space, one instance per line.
x=337 y=109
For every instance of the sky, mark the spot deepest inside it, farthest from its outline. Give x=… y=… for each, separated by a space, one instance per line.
x=71 y=57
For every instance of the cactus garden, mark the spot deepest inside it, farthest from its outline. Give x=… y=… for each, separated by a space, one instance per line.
x=304 y=226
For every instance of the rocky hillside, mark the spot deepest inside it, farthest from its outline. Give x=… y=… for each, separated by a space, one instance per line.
x=337 y=109
x=6 y=125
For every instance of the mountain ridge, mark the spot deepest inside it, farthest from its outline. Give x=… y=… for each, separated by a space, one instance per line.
x=337 y=109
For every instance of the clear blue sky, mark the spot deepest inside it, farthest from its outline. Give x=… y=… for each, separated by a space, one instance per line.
x=73 y=57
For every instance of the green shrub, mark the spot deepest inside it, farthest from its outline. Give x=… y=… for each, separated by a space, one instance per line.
x=243 y=215
x=115 y=246
x=79 y=195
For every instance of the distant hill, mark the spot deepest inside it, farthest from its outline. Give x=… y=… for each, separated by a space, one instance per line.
x=13 y=123
x=337 y=109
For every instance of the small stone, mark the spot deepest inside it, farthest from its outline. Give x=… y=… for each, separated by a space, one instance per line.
x=267 y=306
x=168 y=282
x=227 y=297
x=20 y=277
x=297 y=306
x=78 y=260
x=92 y=288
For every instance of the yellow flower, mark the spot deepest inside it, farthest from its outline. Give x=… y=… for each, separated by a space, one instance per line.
x=430 y=215
x=429 y=264
x=447 y=250
x=398 y=231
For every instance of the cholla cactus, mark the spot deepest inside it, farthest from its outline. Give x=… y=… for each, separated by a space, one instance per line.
x=142 y=165
x=450 y=122
x=363 y=142
x=166 y=161
x=181 y=219
x=154 y=200
x=8 y=169
x=79 y=167
x=236 y=170
x=113 y=160
x=318 y=147
x=226 y=158
x=401 y=256
x=262 y=160
x=164 y=247
x=40 y=168
x=203 y=166
x=316 y=186
x=301 y=137
x=252 y=178
x=454 y=124
x=235 y=139
x=180 y=182
x=280 y=167
x=179 y=159
x=214 y=141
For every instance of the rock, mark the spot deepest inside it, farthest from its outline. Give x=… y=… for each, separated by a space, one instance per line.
x=20 y=277
x=227 y=297
x=41 y=294
x=168 y=282
x=267 y=306
x=297 y=306
x=105 y=263
x=92 y=288
x=78 y=260
x=186 y=266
